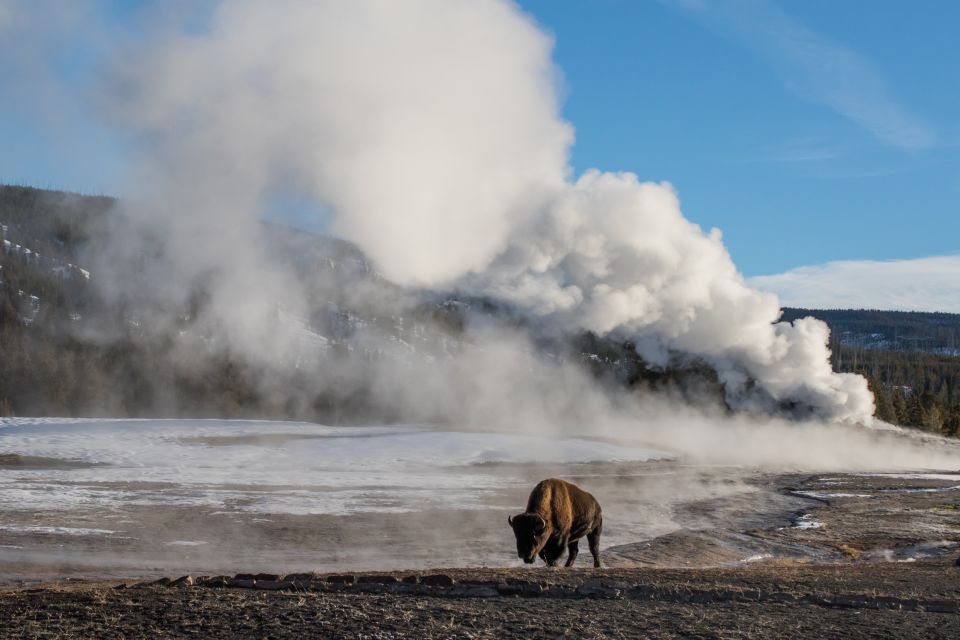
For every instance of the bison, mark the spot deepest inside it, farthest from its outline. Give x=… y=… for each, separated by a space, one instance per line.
x=558 y=514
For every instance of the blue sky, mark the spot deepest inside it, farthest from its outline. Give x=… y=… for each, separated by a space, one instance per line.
x=807 y=131
x=688 y=95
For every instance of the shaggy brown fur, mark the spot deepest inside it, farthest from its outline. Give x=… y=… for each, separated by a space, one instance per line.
x=558 y=514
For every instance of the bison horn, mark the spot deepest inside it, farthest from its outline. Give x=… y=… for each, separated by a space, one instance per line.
x=510 y=520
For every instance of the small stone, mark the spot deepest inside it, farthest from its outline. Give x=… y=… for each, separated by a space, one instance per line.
x=438 y=580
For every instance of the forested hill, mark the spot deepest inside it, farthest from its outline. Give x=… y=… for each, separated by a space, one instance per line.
x=911 y=360
x=66 y=348
x=937 y=333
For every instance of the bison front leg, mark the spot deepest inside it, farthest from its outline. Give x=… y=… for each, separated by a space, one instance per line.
x=593 y=538
x=572 y=550
x=552 y=552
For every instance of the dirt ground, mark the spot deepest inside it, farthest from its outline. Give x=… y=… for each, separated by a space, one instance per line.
x=786 y=599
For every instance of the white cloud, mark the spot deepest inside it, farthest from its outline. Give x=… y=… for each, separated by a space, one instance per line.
x=922 y=284
x=816 y=68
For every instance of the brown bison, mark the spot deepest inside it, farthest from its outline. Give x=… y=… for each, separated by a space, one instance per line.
x=558 y=514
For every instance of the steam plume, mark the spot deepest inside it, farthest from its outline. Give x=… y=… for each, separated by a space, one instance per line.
x=430 y=130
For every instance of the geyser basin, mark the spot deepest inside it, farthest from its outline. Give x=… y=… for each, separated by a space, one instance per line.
x=275 y=467
x=119 y=497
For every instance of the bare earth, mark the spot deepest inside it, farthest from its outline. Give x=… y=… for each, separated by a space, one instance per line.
x=880 y=600
x=802 y=556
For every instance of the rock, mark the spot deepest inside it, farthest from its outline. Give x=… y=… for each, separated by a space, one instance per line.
x=242 y=583
x=316 y=583
x=162 y=582
x=411 y=579
x=887 y=602
x=299 y=577
x=438 y=580
x=341 y=579
x=377 y=579
x=217 y=582
x=245 y=576
x=941 y=606
x=183 y=581
x=266 y=576
x=852 y=602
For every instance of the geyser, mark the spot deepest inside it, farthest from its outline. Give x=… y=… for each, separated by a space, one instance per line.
x=430 y=130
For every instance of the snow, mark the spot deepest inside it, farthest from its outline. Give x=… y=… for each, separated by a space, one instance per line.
x=916 y=476
x=275 y=467
x=819 y=495
x=63 y=531
x=806 y=521
x=757 y=558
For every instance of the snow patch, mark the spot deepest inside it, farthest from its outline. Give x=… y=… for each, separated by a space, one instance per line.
x=59 y=531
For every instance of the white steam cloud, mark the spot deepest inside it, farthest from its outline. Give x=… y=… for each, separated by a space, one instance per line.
x=430 y=130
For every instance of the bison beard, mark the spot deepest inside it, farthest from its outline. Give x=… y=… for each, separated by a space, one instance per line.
x=558 y=514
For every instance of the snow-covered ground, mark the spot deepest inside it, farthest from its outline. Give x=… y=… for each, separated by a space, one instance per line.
x=274 y=467
x=119 y=497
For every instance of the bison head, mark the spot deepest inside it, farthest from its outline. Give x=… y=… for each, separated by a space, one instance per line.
x=531 y=533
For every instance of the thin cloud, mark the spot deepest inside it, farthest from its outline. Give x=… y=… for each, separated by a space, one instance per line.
x=816 y=68
x=921 y=284
x=798 y=151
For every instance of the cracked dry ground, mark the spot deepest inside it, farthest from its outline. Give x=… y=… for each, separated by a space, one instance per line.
x=877 y=600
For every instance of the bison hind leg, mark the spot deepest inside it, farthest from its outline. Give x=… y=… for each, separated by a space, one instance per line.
x=593 y=538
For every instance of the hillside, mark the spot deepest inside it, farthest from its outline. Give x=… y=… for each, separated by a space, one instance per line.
x=936 y=333
x=910 y=359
